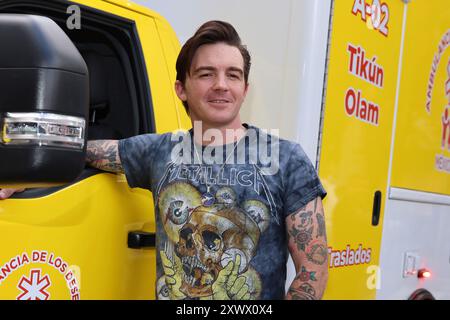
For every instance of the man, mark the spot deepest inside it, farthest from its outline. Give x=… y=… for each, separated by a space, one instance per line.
x=223 y=227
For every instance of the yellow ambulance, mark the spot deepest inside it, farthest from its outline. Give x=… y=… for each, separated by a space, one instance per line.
x=385 y=150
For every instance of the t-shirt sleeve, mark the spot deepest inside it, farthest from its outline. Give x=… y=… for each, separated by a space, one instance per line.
x=136 y=155
x=301 y=181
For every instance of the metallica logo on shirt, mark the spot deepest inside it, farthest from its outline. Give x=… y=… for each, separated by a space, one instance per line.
x=235 y=176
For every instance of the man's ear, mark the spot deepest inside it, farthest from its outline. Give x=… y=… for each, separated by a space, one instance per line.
x=179 y=89
x=247 y=85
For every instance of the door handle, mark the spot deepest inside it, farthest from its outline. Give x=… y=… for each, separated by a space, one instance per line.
x=376 y=208
x=141 y=239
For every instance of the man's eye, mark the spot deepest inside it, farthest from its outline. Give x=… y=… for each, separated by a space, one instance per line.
x=205 y=75
x=234 y=76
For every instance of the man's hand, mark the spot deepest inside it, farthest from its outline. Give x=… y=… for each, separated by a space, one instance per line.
x=308 y=247
x=6 y=193
x=104 y=155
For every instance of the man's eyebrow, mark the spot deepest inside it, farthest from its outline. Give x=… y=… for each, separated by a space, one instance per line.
x=210 y=68
x=203 y=68
x=236 y=69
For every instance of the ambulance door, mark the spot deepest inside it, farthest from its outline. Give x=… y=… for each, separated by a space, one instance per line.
x=78 y=241
x=357 y=123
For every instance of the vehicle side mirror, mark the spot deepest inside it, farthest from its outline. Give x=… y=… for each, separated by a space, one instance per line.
x=44 y=103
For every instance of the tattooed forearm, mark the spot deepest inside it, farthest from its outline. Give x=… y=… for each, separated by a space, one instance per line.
x=317 y=253
x=308 y=248
x=309 y=284
x=104 y=155
x=306 y=275
x=303 y=292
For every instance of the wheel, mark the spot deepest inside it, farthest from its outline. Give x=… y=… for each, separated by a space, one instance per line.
x=421 y=294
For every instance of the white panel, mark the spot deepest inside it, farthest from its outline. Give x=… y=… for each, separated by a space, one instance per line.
x=422 y=229
x=418 y=196
x=287 y=41
x=305 y=71
x=415 y=224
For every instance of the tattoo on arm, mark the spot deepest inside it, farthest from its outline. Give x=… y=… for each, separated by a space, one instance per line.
x=308 y=246
x=320 y=225
x=104 y=155
x=306 y=275
x=302 y=228
x=304 y=292
x=317 y=253
x=302 y=237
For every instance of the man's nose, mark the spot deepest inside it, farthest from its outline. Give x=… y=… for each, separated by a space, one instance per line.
x=221 y=83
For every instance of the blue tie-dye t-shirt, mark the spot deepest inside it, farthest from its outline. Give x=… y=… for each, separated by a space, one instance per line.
x=220 y=225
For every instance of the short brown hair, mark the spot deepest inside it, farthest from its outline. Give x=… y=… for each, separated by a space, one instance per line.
x=209 y=33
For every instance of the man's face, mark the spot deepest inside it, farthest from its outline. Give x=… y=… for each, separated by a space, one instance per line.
x=215 y=87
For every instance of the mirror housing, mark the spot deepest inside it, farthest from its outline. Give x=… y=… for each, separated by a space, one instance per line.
x=44 y=103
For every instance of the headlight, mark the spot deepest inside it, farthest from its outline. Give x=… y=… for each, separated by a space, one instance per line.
x=41 y=128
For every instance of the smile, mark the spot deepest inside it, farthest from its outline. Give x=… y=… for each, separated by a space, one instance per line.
x=218 y=101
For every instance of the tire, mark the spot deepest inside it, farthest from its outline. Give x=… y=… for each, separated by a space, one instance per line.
x=421 y=294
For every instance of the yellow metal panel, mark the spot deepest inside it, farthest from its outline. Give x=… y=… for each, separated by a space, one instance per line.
x=86 y=226
x=163 y=92
x=354 y=160
x=422 y=139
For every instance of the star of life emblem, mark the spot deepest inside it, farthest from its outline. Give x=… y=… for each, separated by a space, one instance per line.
x=34 y=287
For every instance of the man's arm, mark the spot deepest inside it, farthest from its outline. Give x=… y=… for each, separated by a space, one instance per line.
x=104 y=155
x=307 y=244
